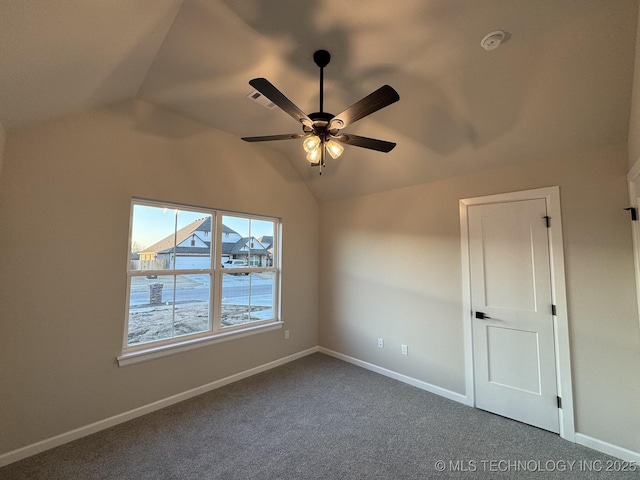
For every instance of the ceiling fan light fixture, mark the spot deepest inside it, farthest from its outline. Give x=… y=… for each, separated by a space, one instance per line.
x=334 y=149
x=322 y=130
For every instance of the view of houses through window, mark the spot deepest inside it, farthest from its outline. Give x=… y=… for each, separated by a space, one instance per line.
x=197 y=272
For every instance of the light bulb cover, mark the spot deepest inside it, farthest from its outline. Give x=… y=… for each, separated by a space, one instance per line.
x=314 y=155
x=334 y=149
x=310 y=143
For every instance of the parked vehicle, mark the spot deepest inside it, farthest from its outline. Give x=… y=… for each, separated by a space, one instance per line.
x=235 y=264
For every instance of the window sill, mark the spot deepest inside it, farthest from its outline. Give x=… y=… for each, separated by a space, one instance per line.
x=151 y=353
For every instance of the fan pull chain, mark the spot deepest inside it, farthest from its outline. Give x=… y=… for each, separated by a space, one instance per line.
x=323 y=149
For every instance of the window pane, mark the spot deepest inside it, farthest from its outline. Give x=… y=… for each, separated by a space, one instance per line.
x=150 y=227
x=261 y=245
x=168 y=306
x=192 y=304
x=247 y=240
x=163 y=238
x=246 y=298
x=235 y=239
x=150 y=309
x=262 y=295
x=235 y=299
x=193 y=241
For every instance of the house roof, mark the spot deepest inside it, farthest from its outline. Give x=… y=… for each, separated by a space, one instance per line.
x=226 y=229
x=167 y=243
x=236 y=248
x=206 y=227
x=562 y=81
x=266 y=240
x=201 y=225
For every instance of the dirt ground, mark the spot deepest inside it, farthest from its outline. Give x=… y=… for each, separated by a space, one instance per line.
x=157 y=323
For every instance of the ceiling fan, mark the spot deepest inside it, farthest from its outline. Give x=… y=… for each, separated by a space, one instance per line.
x=322 y=130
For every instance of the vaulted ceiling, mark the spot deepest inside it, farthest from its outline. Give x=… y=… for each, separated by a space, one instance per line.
x=562 y=80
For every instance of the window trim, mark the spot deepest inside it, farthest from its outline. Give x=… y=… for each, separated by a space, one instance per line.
x=216 y=333
x=133 y=356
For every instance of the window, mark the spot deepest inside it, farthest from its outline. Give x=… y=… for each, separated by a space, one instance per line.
x=198 y=274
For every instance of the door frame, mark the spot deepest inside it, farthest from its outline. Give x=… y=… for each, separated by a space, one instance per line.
x=633 y=180
x=558 y=295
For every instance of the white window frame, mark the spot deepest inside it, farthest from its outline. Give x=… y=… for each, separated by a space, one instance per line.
x=216 y=333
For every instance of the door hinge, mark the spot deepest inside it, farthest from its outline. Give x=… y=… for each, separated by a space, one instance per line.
x=634 y=213
x=559 y=400
x=553 y=310
x=547 y=219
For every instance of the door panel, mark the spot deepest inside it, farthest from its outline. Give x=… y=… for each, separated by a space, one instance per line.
x=506 y=248
x=514 y=355
x=522 y=348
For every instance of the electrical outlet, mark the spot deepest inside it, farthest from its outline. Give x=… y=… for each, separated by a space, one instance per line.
x=380 y=343
x=405 y=349
x=286 y=334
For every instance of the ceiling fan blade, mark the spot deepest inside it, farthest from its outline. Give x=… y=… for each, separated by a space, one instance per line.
x=365 y=142
x=266 y=88
x=373 y=102
x=268 y=138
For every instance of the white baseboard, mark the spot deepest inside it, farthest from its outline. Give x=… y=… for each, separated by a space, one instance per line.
x=443 y=392
x=33 y=449
x=608 y=448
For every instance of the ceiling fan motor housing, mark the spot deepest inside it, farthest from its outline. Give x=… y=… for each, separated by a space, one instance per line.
x=320 y=123
x=322 y=58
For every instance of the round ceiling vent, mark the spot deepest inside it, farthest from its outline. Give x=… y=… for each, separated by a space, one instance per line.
x=492 y=40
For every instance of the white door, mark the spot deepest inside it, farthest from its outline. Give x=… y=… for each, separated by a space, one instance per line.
x=513 y=345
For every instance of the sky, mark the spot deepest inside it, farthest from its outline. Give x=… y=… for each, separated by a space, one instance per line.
x=152 y=224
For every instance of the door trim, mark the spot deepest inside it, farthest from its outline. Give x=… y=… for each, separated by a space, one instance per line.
x=558 y=293
x=632 y=178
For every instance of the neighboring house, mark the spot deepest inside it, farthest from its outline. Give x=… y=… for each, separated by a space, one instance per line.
x=250 y=249
x=193 y=248
x=190 y=243
x=267 y=241
x=229 y=236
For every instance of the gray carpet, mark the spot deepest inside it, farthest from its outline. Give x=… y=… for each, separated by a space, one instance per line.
x=318 y=418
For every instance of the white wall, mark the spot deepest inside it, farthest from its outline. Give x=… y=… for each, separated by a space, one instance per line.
x=391 y=268
x=64 y=213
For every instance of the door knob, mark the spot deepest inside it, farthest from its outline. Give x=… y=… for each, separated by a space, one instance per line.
x=482 y=316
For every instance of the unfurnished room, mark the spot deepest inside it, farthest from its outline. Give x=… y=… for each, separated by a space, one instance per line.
x=336 y=240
